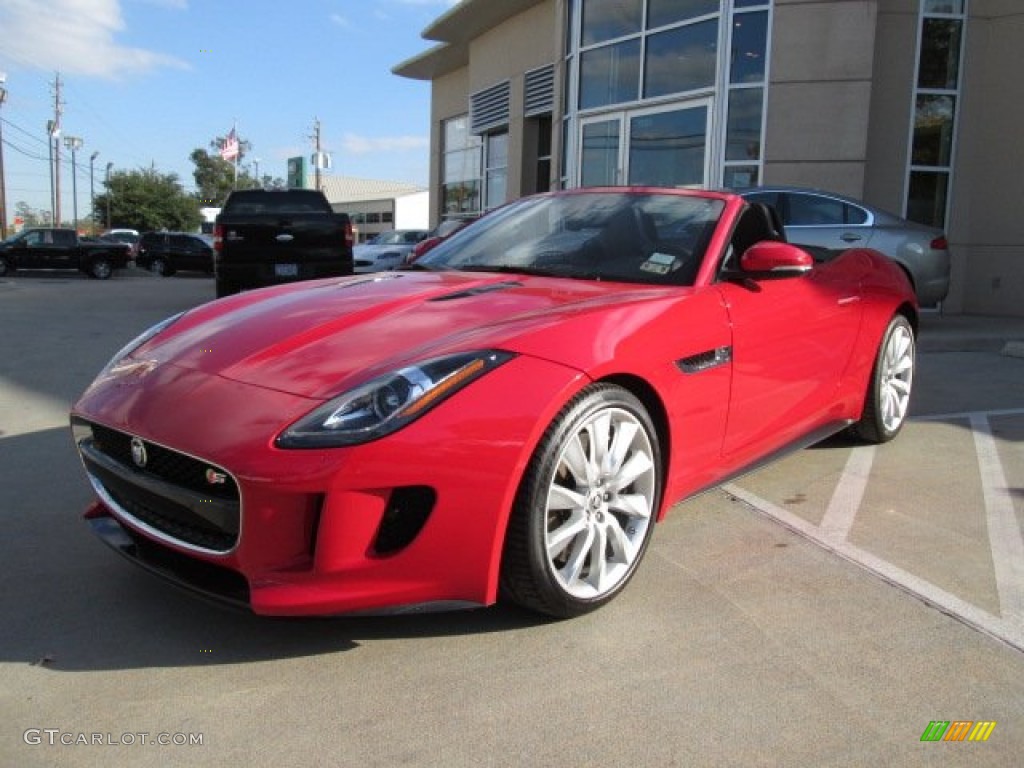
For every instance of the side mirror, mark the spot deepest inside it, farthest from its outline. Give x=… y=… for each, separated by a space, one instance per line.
x=774 y=259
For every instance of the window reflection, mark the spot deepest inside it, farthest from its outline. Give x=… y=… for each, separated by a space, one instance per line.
x=743 y=128
x=609 y=19
x=926 y=201
x=749 y=46
x=666 y=149
x=662 y=12
x=681 y=59
x=610 y=75
x=940 y=54
x=933 y=130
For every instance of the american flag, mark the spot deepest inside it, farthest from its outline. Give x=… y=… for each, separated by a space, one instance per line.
x=229 y=150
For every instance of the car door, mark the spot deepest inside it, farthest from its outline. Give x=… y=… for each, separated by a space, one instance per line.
x=825 y=222
x=792 y=339
x=33 y=250
x=63 y=254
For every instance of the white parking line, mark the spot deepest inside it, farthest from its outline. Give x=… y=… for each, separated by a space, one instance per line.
x=1005 y=539
x=1003 y=529
x=849 y=492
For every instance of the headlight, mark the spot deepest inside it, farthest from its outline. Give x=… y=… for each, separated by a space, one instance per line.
x=119 y=361
x=389 y=402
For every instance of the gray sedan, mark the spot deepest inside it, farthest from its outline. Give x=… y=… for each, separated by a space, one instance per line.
x=387 y=250
x=831 y=223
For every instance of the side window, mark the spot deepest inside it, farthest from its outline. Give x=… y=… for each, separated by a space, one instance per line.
x=768 y=198
x=855 y=215
x=813 y=210
x=64 y=239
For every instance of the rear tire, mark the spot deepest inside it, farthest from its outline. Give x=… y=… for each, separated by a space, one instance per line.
x=888 y=394
x=161 y=267
x=586 y=506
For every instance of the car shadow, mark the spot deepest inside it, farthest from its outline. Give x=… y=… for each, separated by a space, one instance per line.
x=69 y=604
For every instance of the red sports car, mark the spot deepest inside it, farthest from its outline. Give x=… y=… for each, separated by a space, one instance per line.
x=506 y=419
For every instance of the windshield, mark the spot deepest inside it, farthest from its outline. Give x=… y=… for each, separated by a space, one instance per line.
x=622 y=236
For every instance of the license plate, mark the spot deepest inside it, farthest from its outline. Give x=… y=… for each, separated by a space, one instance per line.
x=286 y=270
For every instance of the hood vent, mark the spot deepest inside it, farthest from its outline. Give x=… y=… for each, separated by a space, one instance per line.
x=478 y=290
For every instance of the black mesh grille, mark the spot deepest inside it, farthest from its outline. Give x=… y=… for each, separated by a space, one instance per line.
x=181 y=504
x=165 y=464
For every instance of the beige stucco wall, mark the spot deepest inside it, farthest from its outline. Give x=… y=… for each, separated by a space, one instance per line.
x=987 y=219
x=447 y=99
x=819 y=94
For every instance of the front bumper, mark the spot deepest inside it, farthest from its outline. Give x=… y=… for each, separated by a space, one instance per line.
x=413 y=519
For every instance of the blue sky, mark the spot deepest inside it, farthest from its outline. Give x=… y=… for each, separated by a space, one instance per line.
x=147 y=81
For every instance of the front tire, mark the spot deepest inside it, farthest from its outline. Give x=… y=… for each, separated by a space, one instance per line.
x=888 y=394
x=586 y=506
x=101 y=268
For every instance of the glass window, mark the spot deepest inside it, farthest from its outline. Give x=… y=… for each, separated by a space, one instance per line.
x=933 y=130
x=741 y=176
x=608 y=19
x=610 y=75
x=461 y=198
x=940 y=54
x=749 y=47
x=600 y=156
x=749 y=3
x=497 y=170
x=743 y=126
x=943 y=6
x=662 y=12
x=926 y=201
x=681 y=59
x=666 y=149
x=387 y=217
x=813 y=210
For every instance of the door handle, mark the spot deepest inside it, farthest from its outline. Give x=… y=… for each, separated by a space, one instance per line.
x=849 y=237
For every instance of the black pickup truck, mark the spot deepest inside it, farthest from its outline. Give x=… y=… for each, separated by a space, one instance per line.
x=264 y=237
x=61 y=249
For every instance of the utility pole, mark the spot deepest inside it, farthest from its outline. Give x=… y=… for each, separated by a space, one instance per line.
x=110 y=193
x=317 y=156
x=58 y=108
x=74 y=144
x=3 y=195
x=92 y=193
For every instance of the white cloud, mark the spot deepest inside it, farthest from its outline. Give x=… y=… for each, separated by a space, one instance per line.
x=341 y=21
x=365 y=145
x=75 y=37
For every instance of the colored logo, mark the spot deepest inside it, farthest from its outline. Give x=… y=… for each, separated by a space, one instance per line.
x=958 y=730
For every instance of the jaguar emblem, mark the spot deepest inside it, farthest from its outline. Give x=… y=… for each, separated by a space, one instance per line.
x=139 y=455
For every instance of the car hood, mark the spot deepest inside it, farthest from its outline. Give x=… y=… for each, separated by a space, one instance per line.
x=320 y=338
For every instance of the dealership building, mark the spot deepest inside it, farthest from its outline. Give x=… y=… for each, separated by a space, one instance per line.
x=910 y=105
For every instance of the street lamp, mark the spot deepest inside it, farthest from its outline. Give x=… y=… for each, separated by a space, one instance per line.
x=92 y=192
x=109 y=193
x=3 y=195
x=74 y=144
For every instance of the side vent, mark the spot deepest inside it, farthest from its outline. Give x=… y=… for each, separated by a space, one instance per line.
x=407 y=512
x=539 y=91
x=704 y=361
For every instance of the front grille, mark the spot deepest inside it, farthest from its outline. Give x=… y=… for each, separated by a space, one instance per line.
x=170 y=496
x=174 y=467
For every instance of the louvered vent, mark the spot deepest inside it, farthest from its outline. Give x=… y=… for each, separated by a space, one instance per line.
x=539 y=91
x=489 y=108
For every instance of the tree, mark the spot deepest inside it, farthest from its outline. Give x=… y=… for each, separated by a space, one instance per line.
x=215 y=177
x=30 y=216
x=147 y=200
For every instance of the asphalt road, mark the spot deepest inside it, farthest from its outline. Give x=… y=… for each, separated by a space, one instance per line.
x=821 y=612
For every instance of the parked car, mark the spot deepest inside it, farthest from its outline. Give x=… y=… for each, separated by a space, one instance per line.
x=436 y=236
x=387 y=250
x=129 y=236
x=168 y=252
x=265 y=237
x=61 y=248
x=554 y=379
x=829 y=223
